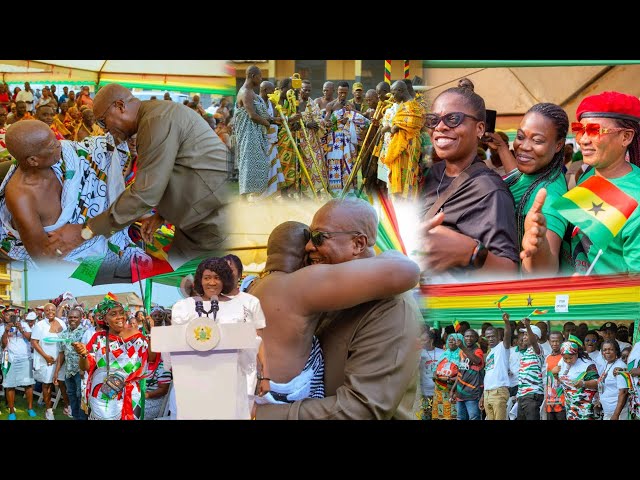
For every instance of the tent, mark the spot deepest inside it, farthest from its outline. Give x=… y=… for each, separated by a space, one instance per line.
x=204 y=76
x=512 y=87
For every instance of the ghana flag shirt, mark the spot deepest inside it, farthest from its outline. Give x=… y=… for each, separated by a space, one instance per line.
x=602 y=214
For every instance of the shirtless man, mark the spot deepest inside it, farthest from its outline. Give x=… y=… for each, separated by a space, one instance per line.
x=293 y=298
x=327 y=91
x=33 y=192
x=338 y=104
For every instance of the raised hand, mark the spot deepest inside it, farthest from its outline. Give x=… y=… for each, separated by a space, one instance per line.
x=535 y=227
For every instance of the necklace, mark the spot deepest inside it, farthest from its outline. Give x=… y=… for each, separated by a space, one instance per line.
x=443 y=174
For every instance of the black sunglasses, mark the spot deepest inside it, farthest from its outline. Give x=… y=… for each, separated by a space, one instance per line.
x=451 y=120
x=100 y=121
x=317 y=237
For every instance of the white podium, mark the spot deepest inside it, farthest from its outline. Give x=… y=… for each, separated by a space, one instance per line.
x=204 y=360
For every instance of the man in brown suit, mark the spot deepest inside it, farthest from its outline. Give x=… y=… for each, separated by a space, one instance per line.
x=370 y=350
x=181 y=173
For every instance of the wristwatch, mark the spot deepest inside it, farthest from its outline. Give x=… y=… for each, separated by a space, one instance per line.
x=479 y=255
x=86 y=233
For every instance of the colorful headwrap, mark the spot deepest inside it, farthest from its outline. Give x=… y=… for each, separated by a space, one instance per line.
x=453 y=355
x=569 y=348
x=110 y=301
x=610 y=105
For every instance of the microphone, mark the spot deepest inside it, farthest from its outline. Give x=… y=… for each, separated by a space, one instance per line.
x=199 y=307
x=214 y=306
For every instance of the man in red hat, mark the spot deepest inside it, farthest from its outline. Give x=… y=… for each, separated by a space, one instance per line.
x=607 y=195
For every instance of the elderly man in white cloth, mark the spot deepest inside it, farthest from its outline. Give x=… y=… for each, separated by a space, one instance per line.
x=58 y=182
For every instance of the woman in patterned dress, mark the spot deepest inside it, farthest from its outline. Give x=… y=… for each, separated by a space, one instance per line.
x=444 y=378
x=158 y=385
x=125 y=358
x=578 y=377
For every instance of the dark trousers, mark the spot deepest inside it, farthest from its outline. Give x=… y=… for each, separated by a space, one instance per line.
x=74 y=390
x=561 y=415
x=529 y=406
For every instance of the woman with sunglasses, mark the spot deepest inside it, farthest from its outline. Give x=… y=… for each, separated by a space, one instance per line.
x=474 y=230
x=539 y=157
x=608 y=130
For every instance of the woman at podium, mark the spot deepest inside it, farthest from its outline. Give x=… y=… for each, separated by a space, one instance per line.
x=212 y=285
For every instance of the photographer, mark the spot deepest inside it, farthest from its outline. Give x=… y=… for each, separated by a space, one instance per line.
x=16 y=366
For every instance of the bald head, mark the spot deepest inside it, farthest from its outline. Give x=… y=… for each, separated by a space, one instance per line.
x=371 y=97
x=28 y=138
x=266 y=88
x=109 y=94
x=353 y=214
x=253 y=70
x=285 y=247
x=399 y=90
x=382 y=89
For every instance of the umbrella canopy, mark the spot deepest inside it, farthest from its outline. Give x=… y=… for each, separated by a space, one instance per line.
x=204 y=76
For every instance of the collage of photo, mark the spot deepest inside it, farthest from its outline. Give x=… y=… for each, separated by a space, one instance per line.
x=319 y=240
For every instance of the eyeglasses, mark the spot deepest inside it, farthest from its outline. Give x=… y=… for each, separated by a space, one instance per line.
x=451 y=120
x=590 y=340
x=317 y=237
x=592 y=129
x=100 y=121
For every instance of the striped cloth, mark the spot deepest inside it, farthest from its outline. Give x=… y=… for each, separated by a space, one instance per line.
x=530 y=373
x=308 y=384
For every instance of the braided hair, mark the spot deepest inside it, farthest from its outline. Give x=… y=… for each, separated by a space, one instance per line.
x=554 y=168
x=634 y=146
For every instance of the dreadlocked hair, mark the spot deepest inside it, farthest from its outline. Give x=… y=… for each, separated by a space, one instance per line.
x=634 y=146
x=475 y=101
x=554 y=168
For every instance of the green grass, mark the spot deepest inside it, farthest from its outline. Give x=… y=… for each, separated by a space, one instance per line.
x=21 y=409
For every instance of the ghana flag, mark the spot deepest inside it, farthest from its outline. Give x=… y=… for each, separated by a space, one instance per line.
x=598 y=208
x=598 y=298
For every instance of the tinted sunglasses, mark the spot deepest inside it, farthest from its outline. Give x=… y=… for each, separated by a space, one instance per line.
x=317 y=237
x=451 y=120
x=100 y=121
x=592 y=129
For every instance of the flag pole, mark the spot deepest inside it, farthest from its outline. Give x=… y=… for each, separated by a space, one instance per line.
x=135 y=259
x=593 y=263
